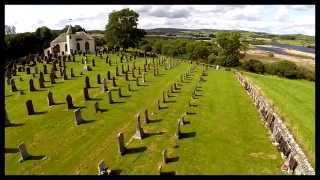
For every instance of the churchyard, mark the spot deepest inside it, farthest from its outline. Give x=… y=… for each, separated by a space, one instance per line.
x=200 y=119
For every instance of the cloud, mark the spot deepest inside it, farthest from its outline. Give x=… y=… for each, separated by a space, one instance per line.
x=278 y=19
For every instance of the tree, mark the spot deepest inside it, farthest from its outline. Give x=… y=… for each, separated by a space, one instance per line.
x=9 y=29
x=45 y=36
x=229 y=47
x=75 y=28
x=121 y=30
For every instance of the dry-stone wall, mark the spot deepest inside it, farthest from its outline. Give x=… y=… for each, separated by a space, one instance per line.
x=295 y=160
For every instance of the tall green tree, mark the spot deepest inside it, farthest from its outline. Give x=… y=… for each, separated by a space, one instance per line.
x=229 y=47
x=121 y=30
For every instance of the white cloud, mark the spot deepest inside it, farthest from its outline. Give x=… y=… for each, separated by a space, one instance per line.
x=278 y=19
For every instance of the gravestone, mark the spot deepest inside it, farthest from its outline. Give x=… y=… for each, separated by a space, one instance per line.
x=103 y=169
x=87 y=82
x=30 y=109
x=31 y=85
x=41 y=76
x=178 y=130
x=82 y=61
x=36 y=70
x=61 y=72
x=96 y=107
x=164 y=156
x=65 y=77
x=114 y=83
x=137 y=81
x=292 y=163
x=133 y=73
x=69 y=102
x=120 y=92
x=13 y=86
x=121 y=146
x=98 y=79
x=110 y=97
x=73 y=58
x=110 y=62
x=86 y=94
x=28 y=71
x=104 y=86
x=143 y=78
x=117 y=71
x=71 y=72
x=41 y=83
x=93 y=63
x=6 y=120
x=139 y=130
x=109 y=75
x=52 y=79
x=50 y=99
x=164 y=97
x=23 y=152
x=77 y=116
x=146 y=116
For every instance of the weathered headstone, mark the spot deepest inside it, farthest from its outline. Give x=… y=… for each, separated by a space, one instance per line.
x=71 y=72
x=23 y=152
x=117 y=71
x=121 y=146
x=137 y=81
x=114 y=83
x=96 y=107
x=50 y=99
x=110 y=97
x=52 y=79
x=93 y=63
x=86 y=94
x=103 y=169
x=120 y=92
x=109 y=75
x=31 y=85
x=13 y=85
x=146 y=116
x=122 y=68
x=41 y=83
x=77 y=116
x=69 y=102
x=159 y=105
x=178 y=131
x=30 y=109
x=65 y=77
x=87 y=82
x=98 y=79
x=164 y=156
x=104 y=86
x=28 y=71
x=164 y=97
x=139 y=130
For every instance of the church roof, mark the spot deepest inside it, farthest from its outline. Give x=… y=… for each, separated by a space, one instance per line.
x=78 y=35
x=69 y=31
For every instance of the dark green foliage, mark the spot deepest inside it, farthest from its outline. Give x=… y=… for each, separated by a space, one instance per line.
x=253 y=66
x=229 y=47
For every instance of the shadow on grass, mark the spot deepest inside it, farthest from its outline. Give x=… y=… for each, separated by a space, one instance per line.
x=191 y=113
x=11 y=150
x=59 y=103
x=168 y=173
x=118 y=102
x=136 y=150
x=15 y=124
x=172 y=159
x=164 y=107
x=171 y=101
x=172 y=95
x=40 y=112
x=102 y=110
x=155 y=121
x=94 y=99
x=87 y=121
x=148 y=134
x=188 y=135
x=115 y=172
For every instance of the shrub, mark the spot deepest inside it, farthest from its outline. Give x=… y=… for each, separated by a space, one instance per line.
x=286 y=69
x=253 y=66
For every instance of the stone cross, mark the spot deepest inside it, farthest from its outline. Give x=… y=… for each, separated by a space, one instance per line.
x=146 y=116
x=31 y=85
x=23 y=152
x=139 y=130
x=77 y=116
x=50 y=99
x=69 y=102
x=110 y=97
x=87 y=82
x=13 y=86
x=86 y=94
x=121 y=146
x=178 y=131
x=98 y=79
x=164 y=156
x=114 y=83
x=29 y=106
x=109 y=75
x=41 y=83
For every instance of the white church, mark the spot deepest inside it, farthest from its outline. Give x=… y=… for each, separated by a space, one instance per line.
x=69 y=42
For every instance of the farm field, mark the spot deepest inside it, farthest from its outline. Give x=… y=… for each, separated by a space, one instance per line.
x=224 y=133
x=295 y=100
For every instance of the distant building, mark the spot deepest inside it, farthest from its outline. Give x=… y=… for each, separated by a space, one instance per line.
x=69 y=42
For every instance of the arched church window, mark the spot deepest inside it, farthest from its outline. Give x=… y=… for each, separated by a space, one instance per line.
x=66 y=47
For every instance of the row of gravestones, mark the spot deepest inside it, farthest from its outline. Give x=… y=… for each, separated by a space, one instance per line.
x=296 y=161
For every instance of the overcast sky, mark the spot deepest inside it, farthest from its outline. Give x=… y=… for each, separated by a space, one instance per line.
x=277 y=19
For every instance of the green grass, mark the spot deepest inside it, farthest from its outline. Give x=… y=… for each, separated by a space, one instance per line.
x=227 y=135
x=295 y=100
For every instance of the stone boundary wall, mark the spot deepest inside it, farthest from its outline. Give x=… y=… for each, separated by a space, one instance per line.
x=296 y=162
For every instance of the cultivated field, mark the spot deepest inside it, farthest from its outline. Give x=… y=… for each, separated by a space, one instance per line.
x=224 y=135
x=295 y=100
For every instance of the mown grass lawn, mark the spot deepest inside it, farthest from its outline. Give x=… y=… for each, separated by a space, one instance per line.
x=295 y=100
x=225 y=136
